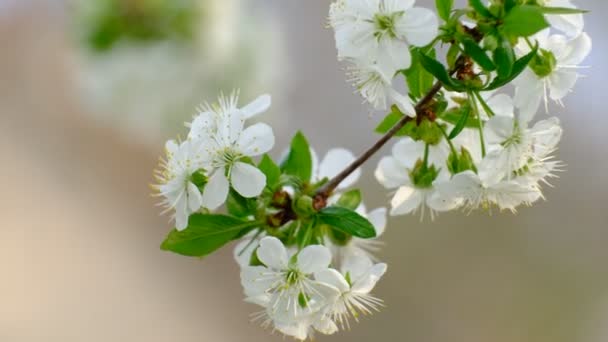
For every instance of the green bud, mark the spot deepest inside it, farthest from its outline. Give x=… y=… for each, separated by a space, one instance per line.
x=490 y=42
x=199 y=179
x=304 y=206
x=458 y=163
x=422 y=176
x=429 y=132
x=544 y=63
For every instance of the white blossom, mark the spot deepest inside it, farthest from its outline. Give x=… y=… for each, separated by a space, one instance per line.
x=292 y=299
x=381 y=30
x=226 y=142
x=175 y=177
x=357 y=279
x=395 y=172
x=570 y=24
x=555 y=77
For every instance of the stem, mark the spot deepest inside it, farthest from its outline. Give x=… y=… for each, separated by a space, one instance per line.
x=426 y=155
x=476 y=110
x=447 y=138
x=325 y=191
x=485 y=105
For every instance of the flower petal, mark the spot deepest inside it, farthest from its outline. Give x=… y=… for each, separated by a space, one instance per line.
x=356 y=265
x=407 y=152
x=314 y=259
x=406 y=200
x=368 y=281
x=247 y=179
x=418 y=25
x=257 y=106
x=332 y=277
x=256 y=140
x=272 y=253
x=216 y=190
x=195 y=199
x=334 y=162
x=390 y=173
x=377 y=217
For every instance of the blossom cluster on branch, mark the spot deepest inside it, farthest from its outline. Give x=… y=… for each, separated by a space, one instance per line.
x=308 y=245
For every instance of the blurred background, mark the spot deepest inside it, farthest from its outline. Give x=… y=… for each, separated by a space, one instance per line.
x=85 y=109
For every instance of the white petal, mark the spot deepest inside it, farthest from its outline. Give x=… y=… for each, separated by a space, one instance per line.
x=334 y=278
x=579 y=48
x=377 y=217
x=406 y=200
x=407 y=152
x=398 y=5
x=356 y=265
x=272 y=253
x=393 y=55
x=314 y=259
x=418 y=25
x=258 y=106
x=257 y=280
x=325 y=326
x=216 y=190
x=498 y=129
x=195 y=199
x=501 y=105
x=247 y=179
x=368 y=281
x=181 y=212
x=202 y=126
x=441 y=203
x=528 y=94
x=561 y=83
x=230 y=127
x=334 y=162
x=546 y=135
x=171 y=146
x=256 y=140
x=390 y=173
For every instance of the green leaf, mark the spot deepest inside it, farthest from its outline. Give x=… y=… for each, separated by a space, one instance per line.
x=478 y=54
x=519 y=66
x=299 y=161
x=388 y=122
x=454 y=116
x=444 y=8
x=562 y=10
x=509 y=4
x=439 y=71
x=350 y=200
x=480 y=8
x=419 y=81
x=240 y=206
x=271 y=170
x=504 y=57
x=347 y=221
x=524 y=21
x=461 y=124
x=205 y=234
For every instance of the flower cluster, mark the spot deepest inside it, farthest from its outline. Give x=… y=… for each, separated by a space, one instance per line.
x=474 y=146
x=307 y=246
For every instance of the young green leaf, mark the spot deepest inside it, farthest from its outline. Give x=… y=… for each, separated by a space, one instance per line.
x=439 y=71
x=504 y=58
x=271 y=170
x=519 y=66
x=444 y=7
x=347 y=221
x=480 y=8
x=461 y=124
x=563 y=10
x=299 y=161
x=524 y=21
x=350 y=200
x=478 y=54
x=205 y=234
x=419 y=81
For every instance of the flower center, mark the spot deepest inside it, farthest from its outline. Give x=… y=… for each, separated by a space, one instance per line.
x=544 y=63
x=385 y=25
x=515 y=139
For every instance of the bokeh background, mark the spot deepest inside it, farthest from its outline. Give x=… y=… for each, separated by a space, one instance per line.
x=81 y=131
